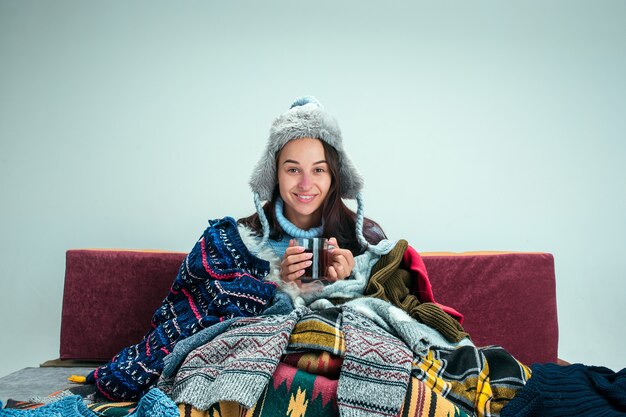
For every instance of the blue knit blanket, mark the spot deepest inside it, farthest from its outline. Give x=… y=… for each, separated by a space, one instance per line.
x=218 y=280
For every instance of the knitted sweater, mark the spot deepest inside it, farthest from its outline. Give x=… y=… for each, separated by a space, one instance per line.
x=390 y=282
x=218 y=280
x=572 y=390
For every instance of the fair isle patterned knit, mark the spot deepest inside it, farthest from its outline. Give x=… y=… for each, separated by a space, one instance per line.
x=376 y=369
x=237 y=364
x=219 y=279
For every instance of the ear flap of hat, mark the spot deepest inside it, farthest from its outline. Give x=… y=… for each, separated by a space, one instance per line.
x=351 y=179
x=263 y=179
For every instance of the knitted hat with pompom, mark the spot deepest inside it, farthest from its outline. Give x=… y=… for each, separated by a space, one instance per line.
x=306 y=118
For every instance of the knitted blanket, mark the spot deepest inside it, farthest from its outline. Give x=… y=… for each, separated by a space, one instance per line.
x=218 y=280
x=325 y=350
x=316 y=344
x=290 y=392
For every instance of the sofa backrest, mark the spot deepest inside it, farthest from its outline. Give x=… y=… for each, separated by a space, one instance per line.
x=109 y=298
x=508 y=299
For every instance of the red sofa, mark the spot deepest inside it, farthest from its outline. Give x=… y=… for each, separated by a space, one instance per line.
x=507 y=298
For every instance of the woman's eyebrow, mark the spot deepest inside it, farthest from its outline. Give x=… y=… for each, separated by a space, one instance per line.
x=292 y=161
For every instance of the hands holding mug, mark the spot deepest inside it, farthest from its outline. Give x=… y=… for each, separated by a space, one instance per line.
x=307 y=260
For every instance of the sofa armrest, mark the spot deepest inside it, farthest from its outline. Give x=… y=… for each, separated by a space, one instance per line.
x=507 y=298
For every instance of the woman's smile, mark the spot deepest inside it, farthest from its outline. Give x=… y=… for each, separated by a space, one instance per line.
x=305 y=198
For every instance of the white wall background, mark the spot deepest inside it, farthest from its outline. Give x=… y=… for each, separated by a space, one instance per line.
x=478 y=125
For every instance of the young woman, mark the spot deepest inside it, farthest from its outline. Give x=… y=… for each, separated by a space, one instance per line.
x=236 y=269
x=304 y=174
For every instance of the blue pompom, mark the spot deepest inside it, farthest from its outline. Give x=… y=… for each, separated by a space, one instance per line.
x=301 y=101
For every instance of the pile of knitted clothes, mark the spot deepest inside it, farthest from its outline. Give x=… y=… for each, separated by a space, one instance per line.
x=225 y=338
x=335 y=361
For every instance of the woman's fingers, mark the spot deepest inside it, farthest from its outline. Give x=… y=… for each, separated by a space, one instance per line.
x=342 y=264
x=289 y=272
x=334 y=269
x=294 y=262
x=297 y=267
x=331 y=274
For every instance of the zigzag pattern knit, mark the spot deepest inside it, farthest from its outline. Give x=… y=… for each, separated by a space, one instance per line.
x=237 y=364
x=219 y=279
x=374 y=358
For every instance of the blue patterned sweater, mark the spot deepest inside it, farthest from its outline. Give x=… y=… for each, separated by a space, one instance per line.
x=218 y=280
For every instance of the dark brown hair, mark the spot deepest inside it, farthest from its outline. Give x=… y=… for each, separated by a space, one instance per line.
x=339 y=220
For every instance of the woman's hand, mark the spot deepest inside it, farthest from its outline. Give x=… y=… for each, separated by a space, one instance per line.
x=342 y=262
x=294 y=262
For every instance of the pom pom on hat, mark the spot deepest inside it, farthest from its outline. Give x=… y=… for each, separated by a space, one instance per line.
x=301 y=101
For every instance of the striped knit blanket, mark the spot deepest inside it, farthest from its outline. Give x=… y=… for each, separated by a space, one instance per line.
x=218 y=280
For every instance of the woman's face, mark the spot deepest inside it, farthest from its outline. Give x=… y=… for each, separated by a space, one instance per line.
x=303 y=181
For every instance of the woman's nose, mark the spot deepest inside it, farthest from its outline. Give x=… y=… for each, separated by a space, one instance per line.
x=305 y=181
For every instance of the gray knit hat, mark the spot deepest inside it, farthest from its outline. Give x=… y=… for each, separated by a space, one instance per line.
x=306 y=118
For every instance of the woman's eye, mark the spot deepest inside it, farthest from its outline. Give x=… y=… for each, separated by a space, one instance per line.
x=320 y=170
x=292 y=170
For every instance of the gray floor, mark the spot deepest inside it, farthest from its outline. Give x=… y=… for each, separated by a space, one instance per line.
x=27 y=383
